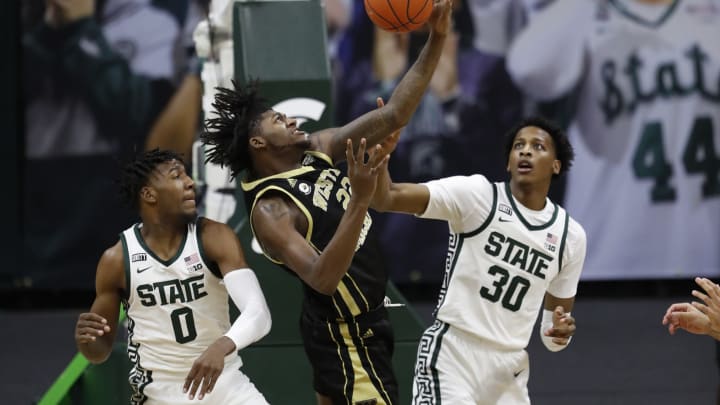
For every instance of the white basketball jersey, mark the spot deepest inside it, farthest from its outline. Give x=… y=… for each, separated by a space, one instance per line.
x=176 y=308
x=502 y=258
x=646 y=184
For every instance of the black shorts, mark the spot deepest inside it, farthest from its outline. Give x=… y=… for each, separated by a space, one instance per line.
x=352 y=359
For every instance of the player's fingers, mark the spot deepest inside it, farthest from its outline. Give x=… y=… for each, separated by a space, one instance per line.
x=360 y=154
x=700 y=295
x=701 y=307
x=380 y=102
x=208 y=385
x=382 y=163
x=189 y=379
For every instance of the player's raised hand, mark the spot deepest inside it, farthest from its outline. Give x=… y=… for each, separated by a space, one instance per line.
x=362 y=174
x=89 y=327
x=440 y=21
x=563 y=326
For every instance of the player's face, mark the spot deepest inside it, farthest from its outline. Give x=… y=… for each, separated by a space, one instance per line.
x=532 y=156
x=279 y=132
x=175 y=190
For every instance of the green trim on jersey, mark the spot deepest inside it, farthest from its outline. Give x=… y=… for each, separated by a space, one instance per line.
x=126 y=261
x=641 y=20
x=165 y=263
x=522 y=219
x=321 y=155
x=297 y=202
x=489 y=218
x=212 y=266
x=562 y=242
x=247 y=186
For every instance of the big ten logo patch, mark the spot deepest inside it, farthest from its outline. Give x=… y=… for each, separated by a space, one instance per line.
x=192 y=263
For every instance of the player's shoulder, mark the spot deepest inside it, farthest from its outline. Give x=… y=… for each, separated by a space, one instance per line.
x=114 y=254
x=576 y=232
x=474 y=181
x=207 y=226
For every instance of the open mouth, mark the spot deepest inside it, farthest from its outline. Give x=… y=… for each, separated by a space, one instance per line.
x=524 y=166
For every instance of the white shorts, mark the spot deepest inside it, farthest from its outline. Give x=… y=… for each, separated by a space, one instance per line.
x=454 y=367
x=233 y=387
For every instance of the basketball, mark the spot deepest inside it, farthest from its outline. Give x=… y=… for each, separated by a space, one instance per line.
x=399 y=15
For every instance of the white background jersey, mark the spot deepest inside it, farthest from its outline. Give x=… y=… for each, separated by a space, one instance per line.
x=177 y=308
x=646 y=182
x=502 y=258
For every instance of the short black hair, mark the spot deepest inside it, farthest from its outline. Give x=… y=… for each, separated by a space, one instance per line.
x=563 y=149
x=238 y=112
x=134 y=175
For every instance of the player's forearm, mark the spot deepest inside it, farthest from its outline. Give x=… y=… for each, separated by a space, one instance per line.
x=335 y=259
x=408 y=93
x=546 y=58
x=408 y=198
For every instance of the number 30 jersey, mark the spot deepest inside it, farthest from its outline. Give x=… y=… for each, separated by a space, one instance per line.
x=176 y=308
x=502 y=258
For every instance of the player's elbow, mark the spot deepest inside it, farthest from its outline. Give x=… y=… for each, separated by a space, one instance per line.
x=263 y=321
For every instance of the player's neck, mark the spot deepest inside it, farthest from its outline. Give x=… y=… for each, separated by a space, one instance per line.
x=530 y=195
x=266 y=166
x=163 y=238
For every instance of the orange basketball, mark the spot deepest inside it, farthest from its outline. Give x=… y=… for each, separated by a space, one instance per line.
x=399 y=15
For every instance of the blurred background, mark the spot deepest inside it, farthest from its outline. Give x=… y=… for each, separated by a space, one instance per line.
x=87 y=83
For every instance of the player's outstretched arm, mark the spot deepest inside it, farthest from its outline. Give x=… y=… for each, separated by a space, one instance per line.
x=95 y=330
x=377 y=124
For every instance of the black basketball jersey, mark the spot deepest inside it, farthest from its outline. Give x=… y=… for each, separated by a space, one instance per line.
x=322 y=192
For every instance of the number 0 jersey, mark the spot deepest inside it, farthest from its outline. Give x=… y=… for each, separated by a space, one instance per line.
x=176 y=308
x=502 y=258
x=322 y=192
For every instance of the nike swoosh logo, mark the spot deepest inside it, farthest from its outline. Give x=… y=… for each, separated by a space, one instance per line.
x=139 y=270
x=503 y=219
x=517 y=374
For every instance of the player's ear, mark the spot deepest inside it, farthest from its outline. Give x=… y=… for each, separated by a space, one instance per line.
x=148 y=194
x=257 y=142
x=557 y=165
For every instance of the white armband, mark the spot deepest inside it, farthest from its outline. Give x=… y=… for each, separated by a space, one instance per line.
x=254 y=320
x=546 y=324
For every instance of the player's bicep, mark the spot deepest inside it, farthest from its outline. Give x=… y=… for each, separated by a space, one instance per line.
x=222 y=246
x=276 y=229
x=109 y=285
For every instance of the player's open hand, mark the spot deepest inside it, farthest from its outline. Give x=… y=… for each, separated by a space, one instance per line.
x=204 y=372
x=711 y=302
x=363 y=174
x=683 y=315
x=89 y=327
x=563 y=326
x=440 y=21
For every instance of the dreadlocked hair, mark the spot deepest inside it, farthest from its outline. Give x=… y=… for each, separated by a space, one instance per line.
x=237 y=114
x=134 y=176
